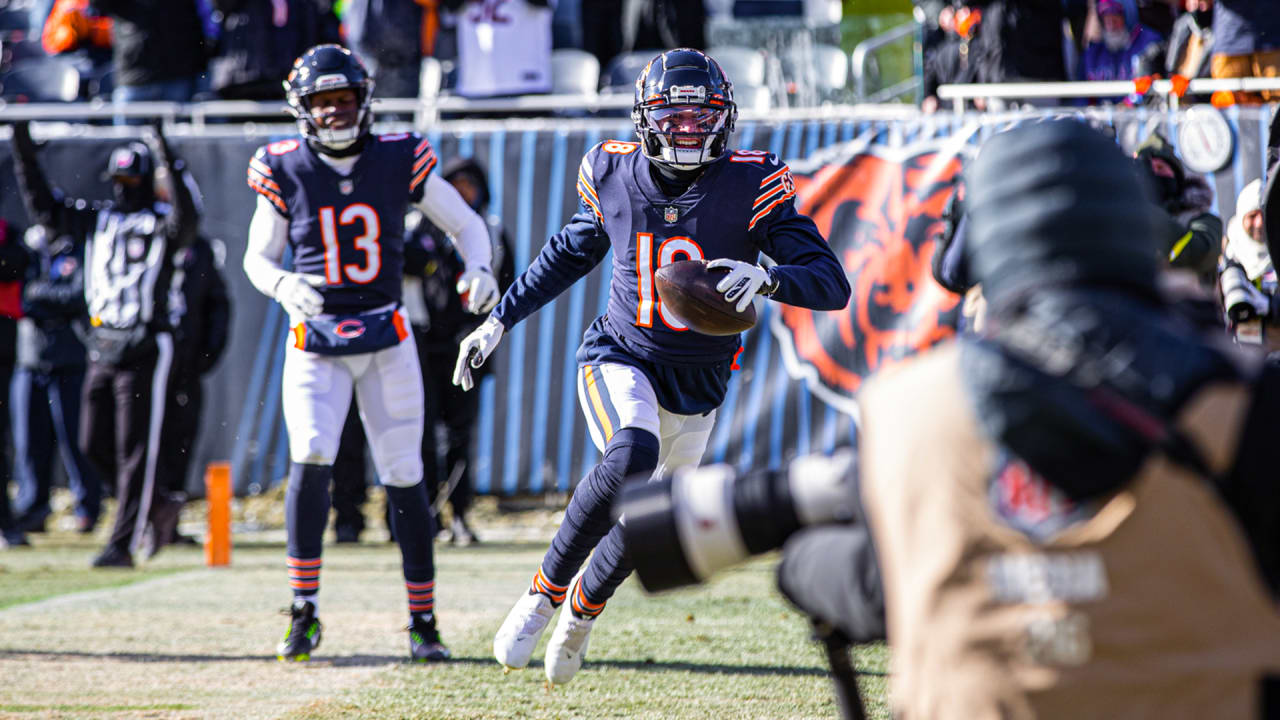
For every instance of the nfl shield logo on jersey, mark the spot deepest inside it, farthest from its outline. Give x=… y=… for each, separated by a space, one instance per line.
x=346 y=186
x=671 y=214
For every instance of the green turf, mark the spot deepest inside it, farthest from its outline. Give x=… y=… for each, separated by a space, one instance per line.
x=730 y=649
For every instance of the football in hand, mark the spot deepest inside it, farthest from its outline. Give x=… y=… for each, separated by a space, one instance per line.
x=688 y=289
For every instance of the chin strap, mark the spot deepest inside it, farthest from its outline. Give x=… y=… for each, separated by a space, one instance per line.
x=353 y=149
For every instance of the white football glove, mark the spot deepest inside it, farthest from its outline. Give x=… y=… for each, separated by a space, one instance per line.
x=742 y=282
x=480 y=289
x=474 y=350
x=297 y=293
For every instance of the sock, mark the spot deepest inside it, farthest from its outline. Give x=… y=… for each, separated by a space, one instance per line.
x=411 y=524
x=542 y=585
x=306 y=512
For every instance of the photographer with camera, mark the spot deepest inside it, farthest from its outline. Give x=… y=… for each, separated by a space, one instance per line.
x=1247 y=277
x=1069 y=514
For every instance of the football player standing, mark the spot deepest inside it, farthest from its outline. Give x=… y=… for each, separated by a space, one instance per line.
x=337 y=197
x=648 y=385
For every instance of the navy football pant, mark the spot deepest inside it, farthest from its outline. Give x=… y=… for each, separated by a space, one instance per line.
x=637 y=437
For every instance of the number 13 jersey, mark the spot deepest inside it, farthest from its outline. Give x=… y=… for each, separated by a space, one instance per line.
x=348 y=229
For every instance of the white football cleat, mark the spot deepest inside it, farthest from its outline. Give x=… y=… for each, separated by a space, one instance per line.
x=514 y=643
x=567 y=647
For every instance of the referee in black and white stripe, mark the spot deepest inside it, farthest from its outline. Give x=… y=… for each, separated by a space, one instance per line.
x=130 y=244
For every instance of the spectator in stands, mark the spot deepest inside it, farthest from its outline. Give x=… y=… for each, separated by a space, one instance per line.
x=991 y=41
x=450 y=413
x=1122 y=45
x=74 y=29
x=1191 y=44
x=259 y=40
x=1246 y=37
x=200 y=314
x=1189 y=235
x=13 y=266
x=612 y=27
x=159 y=48
x=47 y=383
x=391 y=37
x=504 y=47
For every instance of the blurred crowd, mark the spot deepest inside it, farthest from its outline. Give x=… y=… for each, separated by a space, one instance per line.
x=194 y=50
x=991 y=41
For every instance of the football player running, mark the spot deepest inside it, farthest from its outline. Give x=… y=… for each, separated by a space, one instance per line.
x=648 y=385
x=337 y=198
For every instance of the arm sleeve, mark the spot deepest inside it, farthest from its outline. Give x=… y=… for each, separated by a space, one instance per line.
x=568 y=256
x=808 y=273
x=444 y=207
x=1198 y=244
x=42 y=205
x=268 y=238
x=182 y=221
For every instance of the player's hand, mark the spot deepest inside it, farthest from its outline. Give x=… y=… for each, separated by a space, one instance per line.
x=474 y=350
x=480 y=290
x=297 y=293
x=742 y=282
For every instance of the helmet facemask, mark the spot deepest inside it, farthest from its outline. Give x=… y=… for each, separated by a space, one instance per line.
x=684 y=137
x=339 y=138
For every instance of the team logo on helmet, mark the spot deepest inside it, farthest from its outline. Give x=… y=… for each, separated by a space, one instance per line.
x=880 y=209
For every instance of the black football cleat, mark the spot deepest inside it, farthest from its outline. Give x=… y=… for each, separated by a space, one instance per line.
x=424 y=642
x=113 y=557
x=303 y=635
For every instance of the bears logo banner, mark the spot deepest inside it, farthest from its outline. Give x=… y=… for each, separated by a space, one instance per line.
x=880 y=209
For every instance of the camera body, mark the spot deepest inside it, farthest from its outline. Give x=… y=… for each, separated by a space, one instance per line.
x=1241 y=300
x=703 y=519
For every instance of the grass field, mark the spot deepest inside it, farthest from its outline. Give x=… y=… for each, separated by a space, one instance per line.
x=178 y=640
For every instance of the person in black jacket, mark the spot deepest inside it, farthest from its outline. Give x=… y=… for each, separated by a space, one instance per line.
x=435 y=310
x=46 y=387
x=450 y=412
x=259 y=43
x=128 y=256
x=13 y=266
x=159 y=48
x=200 y=314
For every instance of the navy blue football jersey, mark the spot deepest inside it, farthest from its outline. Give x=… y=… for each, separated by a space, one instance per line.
x=347 y=228
x=742 y=204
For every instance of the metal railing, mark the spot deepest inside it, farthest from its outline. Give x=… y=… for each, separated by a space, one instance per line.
x=863 y=53
x=959 y=93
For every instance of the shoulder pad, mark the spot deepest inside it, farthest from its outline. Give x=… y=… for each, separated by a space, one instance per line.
x=424 y=160
x=280 y=147
x=261 y=176
x=775 y=188
x=587 y=172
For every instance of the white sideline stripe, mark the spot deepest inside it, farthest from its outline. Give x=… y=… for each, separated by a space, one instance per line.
x=75 y=598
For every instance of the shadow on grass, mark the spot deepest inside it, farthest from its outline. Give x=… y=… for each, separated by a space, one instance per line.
x=381 y=660
x=317 y=662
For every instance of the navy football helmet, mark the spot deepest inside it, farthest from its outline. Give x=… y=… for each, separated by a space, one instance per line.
x=684 y=110
x=320 y=69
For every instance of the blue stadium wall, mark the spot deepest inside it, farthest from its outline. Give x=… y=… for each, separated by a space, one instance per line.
x=531 y=436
